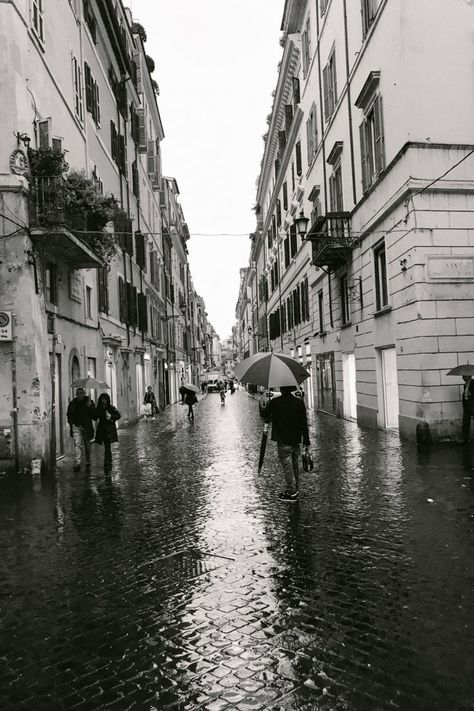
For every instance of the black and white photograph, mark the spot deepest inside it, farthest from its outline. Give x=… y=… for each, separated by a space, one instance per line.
x=236 y=355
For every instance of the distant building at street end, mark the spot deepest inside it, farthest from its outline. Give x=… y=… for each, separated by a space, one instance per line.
x=362 y=261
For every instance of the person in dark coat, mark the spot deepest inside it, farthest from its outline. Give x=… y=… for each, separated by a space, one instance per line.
x=150 y=399
x=467 y=406
x=190 y=399
x=289 y=425
x=80 y=413
x=182 y=392
x=106 y=432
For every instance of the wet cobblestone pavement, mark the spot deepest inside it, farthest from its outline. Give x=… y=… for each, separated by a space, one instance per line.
x=181 y=582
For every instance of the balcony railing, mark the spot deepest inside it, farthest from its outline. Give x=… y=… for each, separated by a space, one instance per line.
x=331 y=240
x=47 y=202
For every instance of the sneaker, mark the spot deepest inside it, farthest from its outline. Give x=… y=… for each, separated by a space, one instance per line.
x=77 y=467
x=288 y=496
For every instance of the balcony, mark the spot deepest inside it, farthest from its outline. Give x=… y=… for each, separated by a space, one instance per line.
x=48 y=224
x=331 y=240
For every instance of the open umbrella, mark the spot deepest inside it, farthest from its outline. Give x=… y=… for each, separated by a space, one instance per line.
x=190 y=386
x=466 y=369
x=273 y=370
x=90 y=384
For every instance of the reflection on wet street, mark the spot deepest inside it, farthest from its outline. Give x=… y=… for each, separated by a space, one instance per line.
x=182 y=582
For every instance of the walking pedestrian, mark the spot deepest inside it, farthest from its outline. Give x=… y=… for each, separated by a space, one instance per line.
x=182 y=392
x=150 y=399
x=80 y=414
x=232 y=387
x=467 y=406
x=190 y=399
x=289 y=425
x=106 y=433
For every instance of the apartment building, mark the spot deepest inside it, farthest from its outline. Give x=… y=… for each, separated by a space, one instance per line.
x=87 y=296
x=364 y=248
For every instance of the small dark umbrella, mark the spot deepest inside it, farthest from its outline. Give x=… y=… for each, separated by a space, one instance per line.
x=465 y=369
x=263 y=446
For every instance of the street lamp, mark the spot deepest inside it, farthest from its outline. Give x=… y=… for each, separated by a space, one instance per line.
x=301 y=224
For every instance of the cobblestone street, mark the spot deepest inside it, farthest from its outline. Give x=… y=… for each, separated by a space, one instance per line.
x=182 y=582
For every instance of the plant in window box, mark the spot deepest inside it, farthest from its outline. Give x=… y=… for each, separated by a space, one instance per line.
x=47 y=162
x=46 y=185
x=87 y=213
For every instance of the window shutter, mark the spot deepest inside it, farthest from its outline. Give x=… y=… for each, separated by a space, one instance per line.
x=140 y=250
x=278 y=212
x=299 y=164
x=122 y=300
x=43 y=134
x=113 y=141
x=97 y=103
x=281 y=141
x=287 y=252
x=296 y=90
x=88 y=80
x=293 y=241
x=142 y=131
x=363 y=157
x=151 y=158
x=139 y=78
x=378 y=137
x=285 y=196
x=142 y=313
x=327 y=112
x=332 y=193
x=288 y=117
x=309 y=138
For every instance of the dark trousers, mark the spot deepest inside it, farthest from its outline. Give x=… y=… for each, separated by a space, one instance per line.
x=190 y=412
x=107 y=455
x=466 y=424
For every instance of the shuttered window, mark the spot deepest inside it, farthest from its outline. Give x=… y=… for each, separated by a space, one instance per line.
x=142 y=313
x=285 y=196
x=38 y=19
x=286 y=246
x=372 y=148
x=103 y=290
x=335 y=190
x=113 y=141
x=299 y=163
x=92 y=95
x=43 y=133
x=369 y=10
x=293 y=241
x=330 y=86
x=288 y=117
x=296 y=91
x=140 y=252
x=312 y=134
x=77 y=89
x=306 y=45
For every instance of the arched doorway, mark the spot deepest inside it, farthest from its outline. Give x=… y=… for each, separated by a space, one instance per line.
x=75 y=370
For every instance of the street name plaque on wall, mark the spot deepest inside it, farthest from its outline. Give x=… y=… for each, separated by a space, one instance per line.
x=450 y=268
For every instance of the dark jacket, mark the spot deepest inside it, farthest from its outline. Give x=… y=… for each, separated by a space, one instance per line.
x=106 y=429
x=149 y=397
x=468 y=405
x=289 y=422
x=190 y=398
x=81 y=413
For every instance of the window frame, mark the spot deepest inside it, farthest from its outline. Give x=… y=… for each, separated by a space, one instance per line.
x=321 y=312
x=368 y=12
x=77 y=90
x=306 y=46
x=372 y=142
x=330 y=85
x=344 y=294
x=382 y=295
x=37 y=19
x=312 y=133
x=336 y=193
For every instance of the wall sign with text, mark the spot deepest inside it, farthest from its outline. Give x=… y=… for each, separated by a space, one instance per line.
x=5 y=326
x=450 y=268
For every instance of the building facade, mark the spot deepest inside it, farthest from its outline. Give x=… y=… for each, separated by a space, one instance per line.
x=89 y=254
x=373 y=295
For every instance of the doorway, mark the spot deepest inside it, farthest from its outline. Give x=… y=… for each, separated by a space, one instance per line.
x=326 y=382
x=388 y=367
x=350 y=386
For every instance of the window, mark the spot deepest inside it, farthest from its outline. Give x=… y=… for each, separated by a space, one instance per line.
x=113 y=141
x=306 y=43
x=312 y=134
x=330 y=86
x=380 y=270
x=293 y=240
x=89 y=18
x=37 y=18
x=92 y=95
x=135 y=180
x=286 y=246
x=323 y=4
x=369 y=10
x=51 y=282
x=88 y=302
x=321 y=311
x=344 y=292
x=44 y=132
x=296 y=91
x=285 y=196
x=335 y=189
x=299 y=163
x=77 y=88
x=372 y=146
x=103 y=290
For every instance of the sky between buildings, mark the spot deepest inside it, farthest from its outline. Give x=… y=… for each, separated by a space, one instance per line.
x=216 y=66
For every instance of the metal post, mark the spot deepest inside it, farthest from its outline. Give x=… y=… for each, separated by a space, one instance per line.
x=15 y=400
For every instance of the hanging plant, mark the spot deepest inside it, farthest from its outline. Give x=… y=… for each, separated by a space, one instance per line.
x=47 y=162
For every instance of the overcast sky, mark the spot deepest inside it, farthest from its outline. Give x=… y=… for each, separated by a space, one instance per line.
x=216 y=66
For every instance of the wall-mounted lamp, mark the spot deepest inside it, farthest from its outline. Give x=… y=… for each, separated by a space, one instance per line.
x=301 y=224
x=24 y=138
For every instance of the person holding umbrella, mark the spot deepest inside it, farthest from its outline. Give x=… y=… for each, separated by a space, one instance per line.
x=80 y=413
x=287 y=413
x=190 y=398
x=106 y=433
x=466 y=371
x=289 y=425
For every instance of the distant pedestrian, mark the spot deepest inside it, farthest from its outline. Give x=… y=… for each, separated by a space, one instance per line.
x=203 y=387
x=81 y=412
x=467 y=406
x=106 y=433
x=289 y=425
x=190 y=399
x=150 y=399
x=232 y=387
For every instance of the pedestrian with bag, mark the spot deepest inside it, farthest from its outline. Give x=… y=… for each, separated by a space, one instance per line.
x=289 y=426
x=106 y=433
x=80 y=414
x=150 y=400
